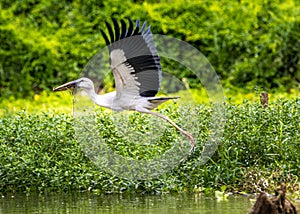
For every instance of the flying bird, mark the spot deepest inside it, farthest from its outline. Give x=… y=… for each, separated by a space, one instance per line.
x=136 y=69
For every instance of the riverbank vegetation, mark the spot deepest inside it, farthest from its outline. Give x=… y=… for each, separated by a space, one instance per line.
x=253 y=47
x=260 y=148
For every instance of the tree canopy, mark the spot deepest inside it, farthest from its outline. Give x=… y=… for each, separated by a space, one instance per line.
x=46 y=42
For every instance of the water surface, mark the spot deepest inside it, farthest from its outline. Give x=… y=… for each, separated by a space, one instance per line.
x=90 y=203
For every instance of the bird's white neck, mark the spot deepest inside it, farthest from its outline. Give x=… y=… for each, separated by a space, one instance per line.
x=105 y=100
x=92 y=94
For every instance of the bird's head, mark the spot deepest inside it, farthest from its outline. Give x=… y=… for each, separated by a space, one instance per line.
x=84 y=83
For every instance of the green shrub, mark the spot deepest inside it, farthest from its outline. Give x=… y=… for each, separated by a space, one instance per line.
x=40 y=152
x=44 y=43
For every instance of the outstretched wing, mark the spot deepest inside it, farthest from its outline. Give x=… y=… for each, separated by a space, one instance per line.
x=133 y=59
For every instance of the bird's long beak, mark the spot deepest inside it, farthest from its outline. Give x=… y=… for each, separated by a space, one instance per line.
x=66 y=86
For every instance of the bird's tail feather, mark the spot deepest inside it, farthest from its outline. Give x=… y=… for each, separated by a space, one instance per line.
x=159 y=100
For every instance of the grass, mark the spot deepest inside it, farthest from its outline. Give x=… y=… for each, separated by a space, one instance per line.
x=40 y=150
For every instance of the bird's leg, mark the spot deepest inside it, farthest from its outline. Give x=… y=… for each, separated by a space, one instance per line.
x=188 y=135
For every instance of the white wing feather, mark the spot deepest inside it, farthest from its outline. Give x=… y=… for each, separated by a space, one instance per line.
x=125 y=80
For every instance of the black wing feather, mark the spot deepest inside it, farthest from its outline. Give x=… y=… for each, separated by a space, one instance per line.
x=143 y=27
x=130 y=29
x=140 y=53
x=105 y=37
x=137 y=28
x=117 y=29
x=123 y=25
x=110 y=31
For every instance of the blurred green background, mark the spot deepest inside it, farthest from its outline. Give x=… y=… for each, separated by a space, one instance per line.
x=251 y=44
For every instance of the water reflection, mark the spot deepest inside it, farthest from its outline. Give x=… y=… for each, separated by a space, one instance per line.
x=89 y=203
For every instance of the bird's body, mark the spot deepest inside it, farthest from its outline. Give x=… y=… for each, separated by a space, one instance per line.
x=137 y=72
x=121 y=103
x=114 y=103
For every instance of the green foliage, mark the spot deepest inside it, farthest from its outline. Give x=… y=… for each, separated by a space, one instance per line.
x=44 y=43
x=40 y=152
x=53 y=103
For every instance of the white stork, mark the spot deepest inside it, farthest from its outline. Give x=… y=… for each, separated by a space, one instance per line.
x=137 y=73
